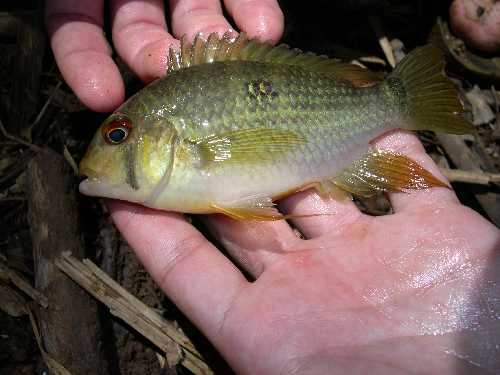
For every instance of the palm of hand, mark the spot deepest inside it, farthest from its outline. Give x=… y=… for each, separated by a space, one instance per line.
x=412 y=291
x=374 y=297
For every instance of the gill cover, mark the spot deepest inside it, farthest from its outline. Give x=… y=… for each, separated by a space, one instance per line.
x=128 y=159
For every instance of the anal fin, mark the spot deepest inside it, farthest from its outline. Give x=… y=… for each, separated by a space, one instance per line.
x=382 y=170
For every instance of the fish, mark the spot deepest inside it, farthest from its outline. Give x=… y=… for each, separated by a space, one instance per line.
x=237 y=124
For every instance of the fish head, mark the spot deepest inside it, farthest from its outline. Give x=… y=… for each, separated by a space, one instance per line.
x=127 y=158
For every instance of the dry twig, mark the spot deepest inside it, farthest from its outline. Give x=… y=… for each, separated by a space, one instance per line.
x=465 y=159
x=54 y=366
x=383 y=40
x=7 y=274
x=17 y=139
x=70 y=327
x=128 y=308
x=470 y=177
x=46 y=105
x=70 y=160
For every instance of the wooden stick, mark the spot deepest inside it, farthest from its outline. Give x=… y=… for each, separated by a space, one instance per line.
x=383 y=40
x=6 y=274
x=130 y=309
x=55 y=367
x=470 y=177
x=465 y=159
x=70 y=326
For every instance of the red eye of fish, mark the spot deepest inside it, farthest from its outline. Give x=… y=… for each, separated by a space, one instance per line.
x=117 y=131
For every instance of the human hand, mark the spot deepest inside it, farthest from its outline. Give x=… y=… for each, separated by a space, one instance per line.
x=416 y=291
x=412 y=292
x=141 y=37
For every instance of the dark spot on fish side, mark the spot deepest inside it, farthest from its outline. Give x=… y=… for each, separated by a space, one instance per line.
x=395 y=89
x=261 y=90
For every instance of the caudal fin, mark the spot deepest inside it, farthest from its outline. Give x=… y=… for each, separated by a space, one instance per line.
x=431 y=99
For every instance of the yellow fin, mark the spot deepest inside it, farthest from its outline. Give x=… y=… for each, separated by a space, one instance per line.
x=249 y=208
x=329 y=190
x=230 y=47
x=431 y=99
x=254 y=208
x=257 y=214
x=381 y=170
x=247 y=145
x=249 y=213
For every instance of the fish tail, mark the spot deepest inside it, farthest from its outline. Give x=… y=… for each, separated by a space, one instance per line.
x=430 y=99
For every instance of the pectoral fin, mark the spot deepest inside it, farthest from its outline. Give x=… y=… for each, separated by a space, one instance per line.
x=247 y=145
x=381 y=170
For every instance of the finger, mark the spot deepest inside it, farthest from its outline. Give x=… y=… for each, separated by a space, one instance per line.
x=409 y=145
x=190 y=17
x=258 y=18
x=252 y=244
x=190 y=270
x=83 y=54
x=140 y=36
x=333 y=214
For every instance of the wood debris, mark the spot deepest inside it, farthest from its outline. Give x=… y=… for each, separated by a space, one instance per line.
x=135 y=313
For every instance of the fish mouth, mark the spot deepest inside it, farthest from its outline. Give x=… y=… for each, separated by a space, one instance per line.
x=92 y=184
x=97 y=187
x=100 y=186
x=95 y=184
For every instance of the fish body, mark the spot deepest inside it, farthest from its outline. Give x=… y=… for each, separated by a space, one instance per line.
x=233 y=132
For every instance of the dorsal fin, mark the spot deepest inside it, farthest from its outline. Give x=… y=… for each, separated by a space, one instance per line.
x=230 y=47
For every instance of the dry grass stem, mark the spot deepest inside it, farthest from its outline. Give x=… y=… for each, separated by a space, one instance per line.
x=70 y=160
x=470 y=177
x=17 y=139
x=383 y=40
x=7 y=274
x=55 y=367
x=46 y=105
x=128 y=308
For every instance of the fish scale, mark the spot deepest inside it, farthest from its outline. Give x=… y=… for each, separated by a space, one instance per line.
x=323 y=112
x=325 y=118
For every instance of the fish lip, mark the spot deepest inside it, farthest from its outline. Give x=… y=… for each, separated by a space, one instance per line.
x=92 y=186
x=103 y=188
x=93 y=183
